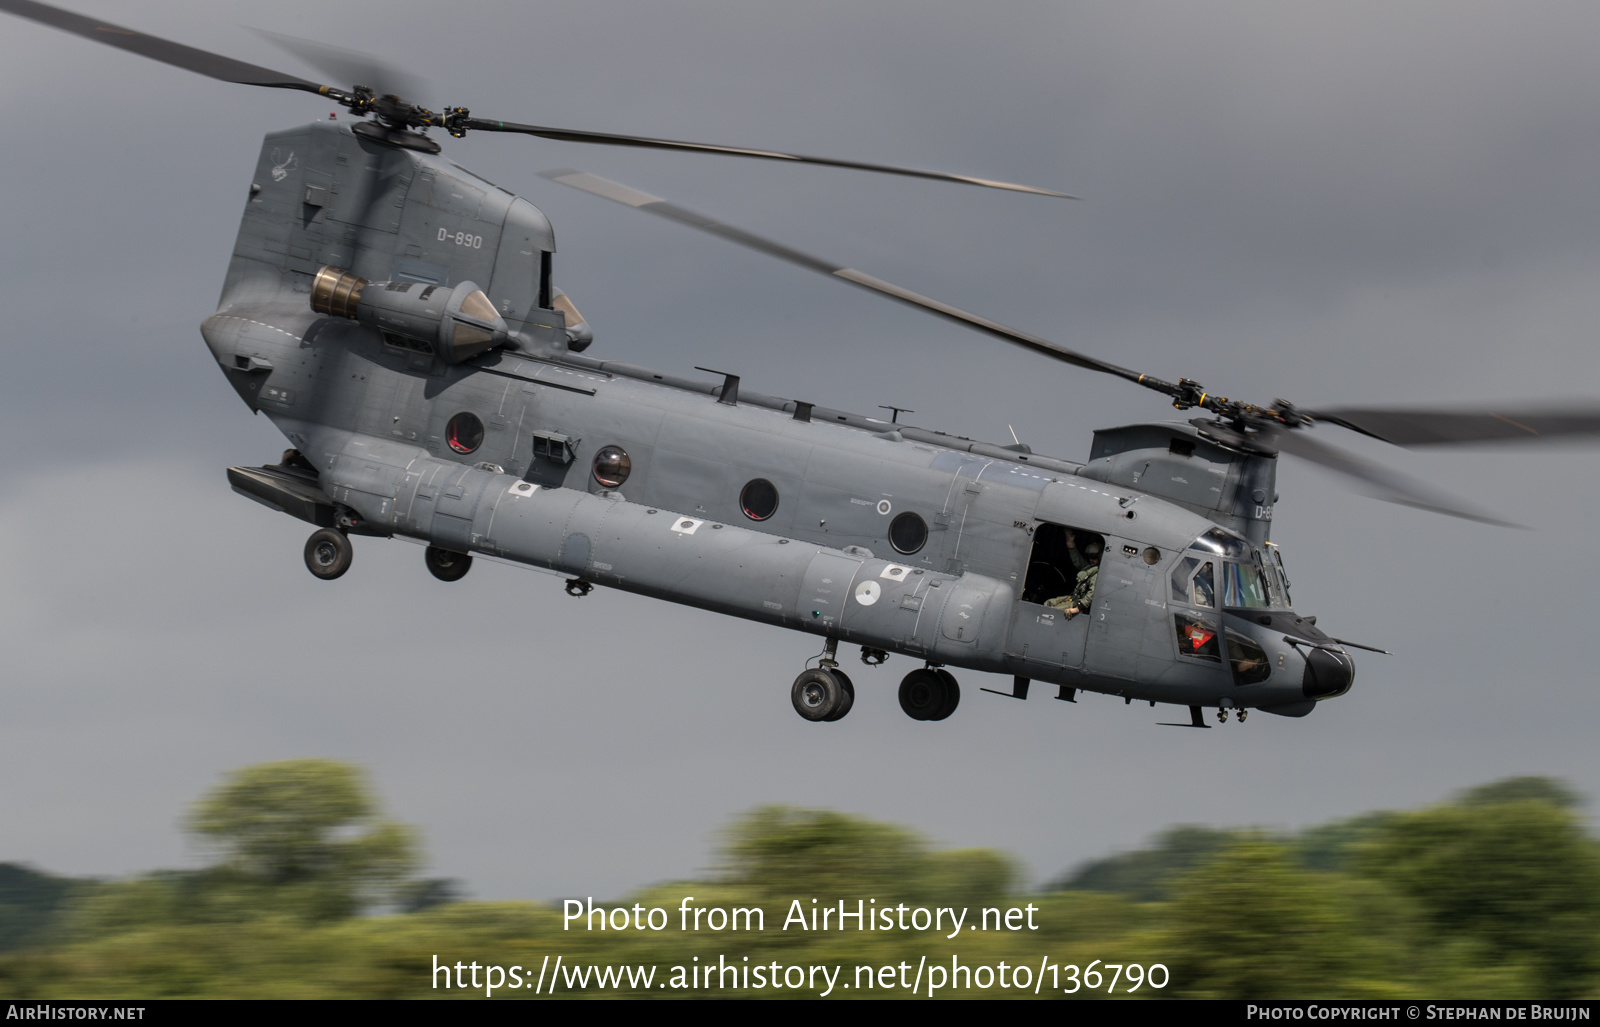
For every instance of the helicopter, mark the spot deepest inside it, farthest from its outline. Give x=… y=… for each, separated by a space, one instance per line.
x=445 y=395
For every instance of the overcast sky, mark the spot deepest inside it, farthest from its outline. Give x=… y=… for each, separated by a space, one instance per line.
x=1334 y=203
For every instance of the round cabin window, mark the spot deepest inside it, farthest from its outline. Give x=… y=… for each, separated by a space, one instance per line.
x=464 y=433
x=611 y=466
x=908 y=533
x=759 y=500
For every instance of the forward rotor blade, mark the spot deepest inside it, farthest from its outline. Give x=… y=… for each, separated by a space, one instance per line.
x=607 y=189
x=1457 y=427
x=167 y=52
x=1382 y=482
x=609 y=139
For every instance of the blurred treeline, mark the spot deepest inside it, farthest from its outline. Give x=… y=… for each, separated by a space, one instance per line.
x=312 y=893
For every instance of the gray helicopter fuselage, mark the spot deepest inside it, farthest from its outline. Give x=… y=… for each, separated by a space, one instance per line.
x=370 y=411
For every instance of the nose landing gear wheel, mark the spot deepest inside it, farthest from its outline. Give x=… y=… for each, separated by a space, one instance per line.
x=820 y=695
x=929 y=694
x=446 y=564
x=328 y=553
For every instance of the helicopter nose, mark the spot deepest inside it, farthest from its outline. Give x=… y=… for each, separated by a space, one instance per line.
x=1327 y=674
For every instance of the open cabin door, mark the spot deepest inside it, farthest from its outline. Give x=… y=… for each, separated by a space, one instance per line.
x=1043 y=639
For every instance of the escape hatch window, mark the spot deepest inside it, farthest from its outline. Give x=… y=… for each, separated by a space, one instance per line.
x=1058 y=554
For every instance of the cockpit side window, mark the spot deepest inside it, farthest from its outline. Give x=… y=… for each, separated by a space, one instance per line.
x=1276 y=563
x=1194 y=582
x=1197 y=637
x=1247 y=660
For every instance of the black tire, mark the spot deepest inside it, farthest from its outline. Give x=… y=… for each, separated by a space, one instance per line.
x=328 y=553
x=447 y=564
x=952 y=694
x=923 y=694
x=848 y=697
x=816 y=695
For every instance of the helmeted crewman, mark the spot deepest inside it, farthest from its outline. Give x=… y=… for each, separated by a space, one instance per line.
x=1088 y=564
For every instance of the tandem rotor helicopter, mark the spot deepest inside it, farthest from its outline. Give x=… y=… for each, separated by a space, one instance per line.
x=396 y=317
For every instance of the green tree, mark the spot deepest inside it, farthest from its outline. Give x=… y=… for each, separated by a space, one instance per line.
x=1145 y=873
x=1522 y=877
x=310 y=831
x=779 y=849
x=1252 y=923
x=783 y=852
x=1517 y=789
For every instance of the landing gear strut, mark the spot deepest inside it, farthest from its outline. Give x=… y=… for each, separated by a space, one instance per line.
x=447 y=564
x=328 y=553
x=929 y=693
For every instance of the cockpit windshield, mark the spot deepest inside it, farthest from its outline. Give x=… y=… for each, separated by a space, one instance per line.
x=1247 y=578
x=1245 y=585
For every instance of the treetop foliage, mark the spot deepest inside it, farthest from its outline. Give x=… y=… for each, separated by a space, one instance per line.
x=1493 y=894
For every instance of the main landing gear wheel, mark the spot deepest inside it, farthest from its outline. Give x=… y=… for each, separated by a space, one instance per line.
x=847 y=697
x=328 y=553
x=822 y=695
x=929 y=694
x=447 y=564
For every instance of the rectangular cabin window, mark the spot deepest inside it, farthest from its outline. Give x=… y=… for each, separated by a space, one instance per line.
x=544 y=279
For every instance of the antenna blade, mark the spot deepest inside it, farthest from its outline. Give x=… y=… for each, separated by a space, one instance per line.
x=1404 y=427
x=167 y=52
x=611 y=139
x=631 y=197
x=1382 y=482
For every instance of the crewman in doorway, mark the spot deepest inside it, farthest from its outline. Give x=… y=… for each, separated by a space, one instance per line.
x=1088 y=564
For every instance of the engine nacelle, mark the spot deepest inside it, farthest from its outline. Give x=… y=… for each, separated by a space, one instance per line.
x=454 y=324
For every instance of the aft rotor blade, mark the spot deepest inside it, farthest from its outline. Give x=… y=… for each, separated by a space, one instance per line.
x=610 y=139
x=604 y=187
x=352 y=66
x=167 y=52
x=1382 y=482
x=1458 y=427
